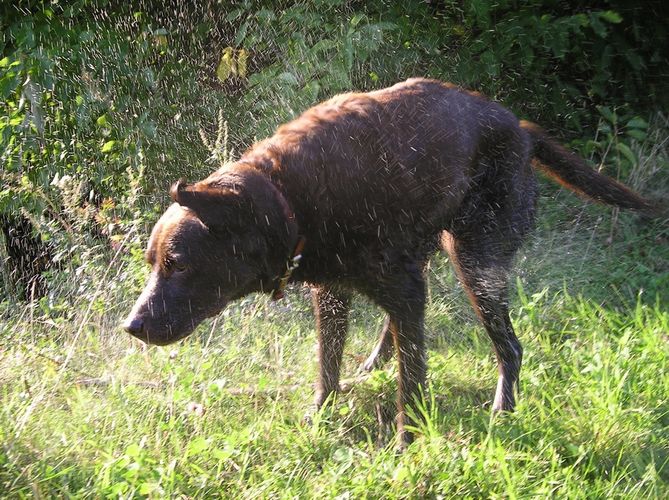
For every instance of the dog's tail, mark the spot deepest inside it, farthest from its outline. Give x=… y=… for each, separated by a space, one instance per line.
x=572 y=172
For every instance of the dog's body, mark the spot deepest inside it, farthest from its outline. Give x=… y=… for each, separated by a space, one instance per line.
x=370 y=185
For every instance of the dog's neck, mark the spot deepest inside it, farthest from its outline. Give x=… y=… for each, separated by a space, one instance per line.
x=293 y=260
x=295 y=241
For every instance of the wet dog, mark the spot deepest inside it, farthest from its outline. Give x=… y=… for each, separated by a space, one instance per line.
x=360 y=191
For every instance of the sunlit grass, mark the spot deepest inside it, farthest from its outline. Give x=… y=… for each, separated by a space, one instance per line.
x=87 y=411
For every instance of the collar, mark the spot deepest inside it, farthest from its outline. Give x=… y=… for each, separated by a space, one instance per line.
x=291 y=265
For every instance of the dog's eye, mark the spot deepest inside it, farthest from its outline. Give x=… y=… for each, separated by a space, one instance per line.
x=172 y=265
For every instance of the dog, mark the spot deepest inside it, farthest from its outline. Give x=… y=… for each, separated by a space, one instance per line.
x=356 y=194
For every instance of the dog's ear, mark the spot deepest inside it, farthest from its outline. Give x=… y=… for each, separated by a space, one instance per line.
x=177 y=189
x=215 y=206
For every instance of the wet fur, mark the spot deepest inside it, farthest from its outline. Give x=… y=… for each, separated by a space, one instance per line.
x=376 y=183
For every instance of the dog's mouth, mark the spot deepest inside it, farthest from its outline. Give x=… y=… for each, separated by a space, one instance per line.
x=153 y=331
x=153 y=336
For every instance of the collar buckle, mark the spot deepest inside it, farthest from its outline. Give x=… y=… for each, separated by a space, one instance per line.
x=293 y=263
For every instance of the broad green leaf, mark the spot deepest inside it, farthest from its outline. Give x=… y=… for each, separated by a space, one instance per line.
x=637 y=122
x=611 y=16
x=639 y=135
x=223 y=454
x=289 y=78
x=133 y=450
x=355 y=20
x=234 y=14
x=598 y=27
x=197 y=446
x=148 y=488
x=108 y=146
x=241 y=34
x=323 y=45
x=609 y=115
x=102 y=121
x=626 y=152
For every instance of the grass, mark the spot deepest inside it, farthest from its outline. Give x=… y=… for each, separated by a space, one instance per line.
x=85 y=411
x=88 y=412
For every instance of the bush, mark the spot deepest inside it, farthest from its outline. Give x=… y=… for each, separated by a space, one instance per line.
x=112 y=93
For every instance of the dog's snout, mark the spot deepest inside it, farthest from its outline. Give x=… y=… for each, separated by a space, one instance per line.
x=134 y=326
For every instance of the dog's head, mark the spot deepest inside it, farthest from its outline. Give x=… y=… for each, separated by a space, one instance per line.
x=221 y=239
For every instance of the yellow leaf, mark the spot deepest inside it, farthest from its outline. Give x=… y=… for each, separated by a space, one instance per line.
x=242 y=57
x=227 y=65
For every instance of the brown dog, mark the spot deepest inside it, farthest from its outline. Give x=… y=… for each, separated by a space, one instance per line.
x=365 y=187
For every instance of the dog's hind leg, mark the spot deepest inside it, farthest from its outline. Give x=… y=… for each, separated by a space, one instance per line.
x=332 y=307
x=383 y=350
x=483 y=264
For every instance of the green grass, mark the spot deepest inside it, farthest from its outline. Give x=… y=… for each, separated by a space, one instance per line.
x=85 y=411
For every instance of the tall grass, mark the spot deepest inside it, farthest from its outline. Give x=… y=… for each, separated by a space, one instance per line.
x=86 y=411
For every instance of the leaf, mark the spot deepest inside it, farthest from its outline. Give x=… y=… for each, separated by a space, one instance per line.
x=102 y=121
x=223 y=454
x=323 y=45
x=312 y=89
x=234 y=14
x=343 y=454
x=148 y=488
x=242 y=58
x=288 y=78
x=227 y=65
x=197 y=446
x=355 y=20
x=609 y=115
x=597 y=26
x=241 y=34
x=8 y=84
x=639 y=135
x=265 y=15
x=490 y=62
x=133 y=450
x=626 y=152
x=108 y=146
x=149 y=129
x=611 y=16
x=637 y=122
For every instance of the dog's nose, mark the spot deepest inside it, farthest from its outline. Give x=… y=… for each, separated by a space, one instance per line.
x=133 y=326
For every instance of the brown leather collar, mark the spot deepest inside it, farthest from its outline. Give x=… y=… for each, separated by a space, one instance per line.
x=291 y=265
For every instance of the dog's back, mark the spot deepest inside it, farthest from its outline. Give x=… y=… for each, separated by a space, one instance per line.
x=406 y=155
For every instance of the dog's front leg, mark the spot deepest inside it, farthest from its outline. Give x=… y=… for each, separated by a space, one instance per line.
x=331 y=308
x=408 y=336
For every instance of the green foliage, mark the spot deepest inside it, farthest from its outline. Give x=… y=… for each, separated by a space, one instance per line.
x=549 y=60
x=295 y=68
